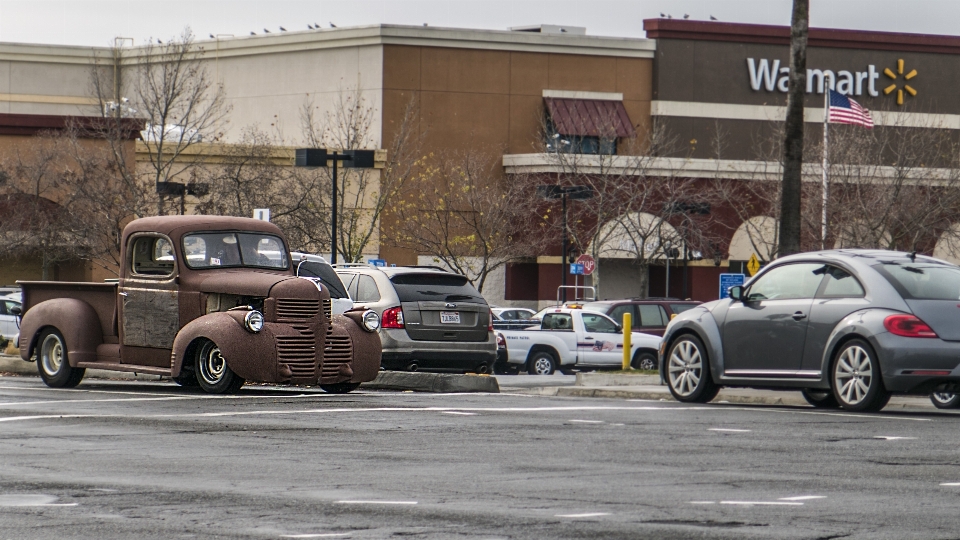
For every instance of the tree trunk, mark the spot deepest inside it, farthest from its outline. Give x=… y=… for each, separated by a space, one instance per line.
x=793 y=129
x=644 y=280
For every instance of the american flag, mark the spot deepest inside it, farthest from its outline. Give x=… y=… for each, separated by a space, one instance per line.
x=844 y=110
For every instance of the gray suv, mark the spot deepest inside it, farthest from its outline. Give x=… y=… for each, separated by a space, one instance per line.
x=430 y=319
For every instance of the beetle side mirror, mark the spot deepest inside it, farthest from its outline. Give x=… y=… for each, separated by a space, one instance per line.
x=736 y=292
x=16 y=310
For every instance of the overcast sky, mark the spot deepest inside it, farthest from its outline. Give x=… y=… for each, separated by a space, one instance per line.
x=97 y=22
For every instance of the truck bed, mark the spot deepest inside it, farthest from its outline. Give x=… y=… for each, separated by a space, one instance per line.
x=102 y=296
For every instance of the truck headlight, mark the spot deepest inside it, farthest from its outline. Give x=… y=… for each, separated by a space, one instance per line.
x=371 y=321
x=253 y=322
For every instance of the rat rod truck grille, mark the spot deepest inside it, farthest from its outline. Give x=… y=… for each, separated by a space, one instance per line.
x=298 y=352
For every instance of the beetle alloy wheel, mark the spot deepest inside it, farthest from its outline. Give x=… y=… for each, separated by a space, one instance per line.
x=212 y=365
x=685 y=368
x=853 y=374
x=51 y=354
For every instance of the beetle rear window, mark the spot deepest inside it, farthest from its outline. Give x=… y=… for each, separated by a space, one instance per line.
x=922 y=281
x=234 y=249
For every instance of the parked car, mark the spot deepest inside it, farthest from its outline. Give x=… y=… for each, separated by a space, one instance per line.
x=648 y=315
x=846 y=327
x=513 y=318
x=431 y=319
x=9 y=321
x=316 y=269
x=571 y=338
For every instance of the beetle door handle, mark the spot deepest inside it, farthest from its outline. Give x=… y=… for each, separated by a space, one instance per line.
x=799 y=316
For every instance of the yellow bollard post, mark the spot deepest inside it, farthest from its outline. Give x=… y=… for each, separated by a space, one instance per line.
x=627 y=329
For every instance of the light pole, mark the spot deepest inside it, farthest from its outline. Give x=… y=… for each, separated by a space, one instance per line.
x=318 y=157
x=666 y=251
x=551 y=191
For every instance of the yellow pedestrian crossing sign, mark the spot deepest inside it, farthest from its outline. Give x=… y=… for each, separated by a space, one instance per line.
x=753 y=265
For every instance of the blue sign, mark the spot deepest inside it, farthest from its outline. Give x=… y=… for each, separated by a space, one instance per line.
x=377 y=262
x=576 y=268
x=730 y=280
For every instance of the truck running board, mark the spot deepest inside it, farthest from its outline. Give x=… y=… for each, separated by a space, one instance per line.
x=146 y=370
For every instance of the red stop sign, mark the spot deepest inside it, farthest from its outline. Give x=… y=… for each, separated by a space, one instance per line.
x=588 y=262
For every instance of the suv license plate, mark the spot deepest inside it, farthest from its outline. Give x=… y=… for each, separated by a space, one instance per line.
x=450 y=317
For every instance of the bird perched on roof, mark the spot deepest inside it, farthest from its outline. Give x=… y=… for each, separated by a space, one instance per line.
x=310 y=26
x=685 y=16
x=265 y=31
x=212 y=36
x=282 y=29
x=332 y=25
x=159 y=42
x=253 y=33
x=662 y=15
x=712 y=18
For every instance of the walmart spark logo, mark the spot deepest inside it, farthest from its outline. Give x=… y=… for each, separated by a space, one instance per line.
x=906 y=87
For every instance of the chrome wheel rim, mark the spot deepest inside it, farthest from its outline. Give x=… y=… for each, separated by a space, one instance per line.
x=853 y=375
x=647 y=363
x=542 y=365
x=212 y=364
x=51 y=354
x=685 y=368
x=943 y=397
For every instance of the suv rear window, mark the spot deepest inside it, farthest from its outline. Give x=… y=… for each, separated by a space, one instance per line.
x=434 y=287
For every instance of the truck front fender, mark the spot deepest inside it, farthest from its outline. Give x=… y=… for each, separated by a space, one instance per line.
x=251 y=356
x=76 y=320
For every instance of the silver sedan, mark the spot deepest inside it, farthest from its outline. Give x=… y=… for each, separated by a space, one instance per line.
x=846 y=327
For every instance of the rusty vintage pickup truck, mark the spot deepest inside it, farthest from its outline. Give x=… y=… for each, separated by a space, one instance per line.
x=207 y=300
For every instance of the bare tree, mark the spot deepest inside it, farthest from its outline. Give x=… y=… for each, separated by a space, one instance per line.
x=173 y=92
x=465 y=216
x=362 y=194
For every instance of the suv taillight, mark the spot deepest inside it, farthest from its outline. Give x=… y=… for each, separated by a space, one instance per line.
x=490 y=326
x=392 y=318
x=908 y=326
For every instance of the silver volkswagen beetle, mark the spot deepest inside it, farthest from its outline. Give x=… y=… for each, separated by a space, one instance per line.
x=846 y=327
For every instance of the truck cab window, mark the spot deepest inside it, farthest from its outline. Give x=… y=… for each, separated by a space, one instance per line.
x=152 y=256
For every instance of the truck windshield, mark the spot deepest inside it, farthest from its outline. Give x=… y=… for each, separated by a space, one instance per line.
x=234 y=249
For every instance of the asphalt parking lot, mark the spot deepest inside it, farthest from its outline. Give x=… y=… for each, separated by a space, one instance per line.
x=151 y=460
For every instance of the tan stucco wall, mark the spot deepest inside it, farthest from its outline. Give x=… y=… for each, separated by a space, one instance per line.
x=493 y=99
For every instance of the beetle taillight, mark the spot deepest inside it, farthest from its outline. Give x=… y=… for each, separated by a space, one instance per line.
x=908 y=326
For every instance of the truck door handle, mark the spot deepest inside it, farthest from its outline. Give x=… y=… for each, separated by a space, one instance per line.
x=587 y=337
x=798 y=316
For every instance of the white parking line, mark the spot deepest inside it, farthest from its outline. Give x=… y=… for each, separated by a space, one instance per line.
x=278 y=412
x=594 y=514
x=314 y=535
x=728 y=430
x=762 y=503
x=586 y=421
x=459 y=412
x=378 y=502
x=802 y=498
x=891 y=438
x=951 y=484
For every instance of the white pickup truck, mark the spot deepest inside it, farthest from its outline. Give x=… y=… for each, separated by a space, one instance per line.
x=570 y=338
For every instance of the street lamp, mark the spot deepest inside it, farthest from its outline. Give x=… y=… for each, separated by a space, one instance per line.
x=551 y=191
x=318 y=157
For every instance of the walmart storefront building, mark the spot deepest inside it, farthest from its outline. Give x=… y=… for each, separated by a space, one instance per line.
x=718 y=87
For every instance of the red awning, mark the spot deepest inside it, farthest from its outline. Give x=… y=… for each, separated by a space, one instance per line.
x=590 y=117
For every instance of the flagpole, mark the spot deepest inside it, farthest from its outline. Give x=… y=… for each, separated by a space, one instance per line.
x=826 y=188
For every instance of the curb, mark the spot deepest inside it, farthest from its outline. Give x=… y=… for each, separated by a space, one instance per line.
x=432 y=382
x=615 y=379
